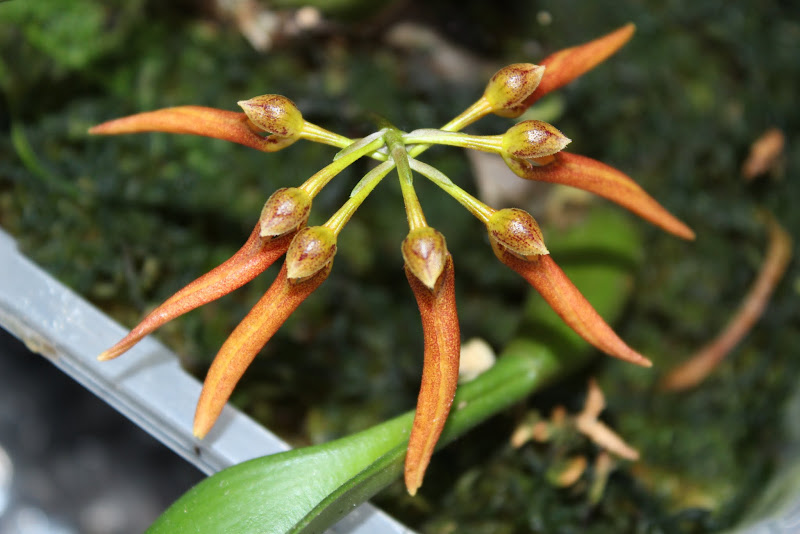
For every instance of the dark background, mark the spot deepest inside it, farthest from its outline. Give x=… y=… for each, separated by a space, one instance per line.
x=75 y=465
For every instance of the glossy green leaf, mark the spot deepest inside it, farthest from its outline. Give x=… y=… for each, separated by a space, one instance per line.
x=307 y=490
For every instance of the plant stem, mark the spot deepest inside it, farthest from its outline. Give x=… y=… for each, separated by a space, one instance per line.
x=312 y=132
x=485 y=143
x=397 y=149
x=321 y=178
x=476 y=111
x=262 y=491
x=358 y=195
x=475 y=206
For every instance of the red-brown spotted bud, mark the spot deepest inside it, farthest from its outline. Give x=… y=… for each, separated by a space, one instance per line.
x=275 y=114
x=533 y=139
x=425 y=253
x=312 y=249
x=285 y=211
x=516 y=231
x=510 y=86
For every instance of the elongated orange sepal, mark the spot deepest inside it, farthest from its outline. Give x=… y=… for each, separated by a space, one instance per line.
x=606 y=181
x=440 y=329
x=195 y=120
x=567 y=301
x=565 y=65
x=247 y=339
x=251 y=260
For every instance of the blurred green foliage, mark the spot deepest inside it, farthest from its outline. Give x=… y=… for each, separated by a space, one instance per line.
x=127 y=221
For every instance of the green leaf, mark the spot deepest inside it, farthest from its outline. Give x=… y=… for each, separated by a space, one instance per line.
x=307 y=490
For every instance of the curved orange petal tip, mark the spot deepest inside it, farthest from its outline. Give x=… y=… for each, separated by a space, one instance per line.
x=565 y=65
x=195 y=120
x=567 y=301
x=255 y=256
x=247 y=339
x=441 y=332
x=606 y=181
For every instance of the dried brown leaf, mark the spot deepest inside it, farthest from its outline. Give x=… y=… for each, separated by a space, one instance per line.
x=765 y=153
x=701 y=364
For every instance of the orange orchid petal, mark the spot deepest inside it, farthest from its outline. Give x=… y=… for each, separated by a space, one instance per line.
x=606 y=181
x=247 y=339
x=573 y=308
x=251 y=260
x=439 y=374
x=195 y=120
x=565 y=65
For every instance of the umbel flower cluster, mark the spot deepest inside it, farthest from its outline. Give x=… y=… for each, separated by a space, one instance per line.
x=532 y=149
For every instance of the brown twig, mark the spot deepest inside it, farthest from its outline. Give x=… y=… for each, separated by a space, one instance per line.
x=698 y=367
x=765 y=154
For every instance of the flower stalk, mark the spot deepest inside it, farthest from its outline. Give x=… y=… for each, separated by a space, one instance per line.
x=480 y=210
x=397 y=150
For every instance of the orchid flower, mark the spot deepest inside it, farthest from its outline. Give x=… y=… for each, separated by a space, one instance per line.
x=532 y=149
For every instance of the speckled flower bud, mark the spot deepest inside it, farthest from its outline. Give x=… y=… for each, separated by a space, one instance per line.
x=425 y=253
x=510 y=86
x=533 y=139
x=516 y=231
x=310 y=251
x=275 y=114
x=284 y=211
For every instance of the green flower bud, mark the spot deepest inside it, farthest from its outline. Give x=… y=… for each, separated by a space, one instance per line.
x=311 y=250
x=284 y=211
x=425 y=254
x=275 y=114
x=510 y=86
x=523 y=167
x=516 y=231
x=533 y=139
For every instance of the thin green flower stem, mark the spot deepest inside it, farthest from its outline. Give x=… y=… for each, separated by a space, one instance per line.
x=479 y=109
x=397 y=149
x=312 y=132
x=320 y=179
x=484 y=143
x=357 y=144
x=360 y=193
x=476 y=111
x=475 y=206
